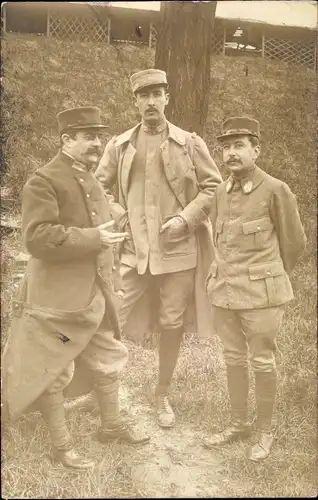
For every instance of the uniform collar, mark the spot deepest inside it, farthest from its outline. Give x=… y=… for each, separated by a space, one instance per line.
x=248 y=183
x=74 y=163
x=157 y=129
x=174 y=133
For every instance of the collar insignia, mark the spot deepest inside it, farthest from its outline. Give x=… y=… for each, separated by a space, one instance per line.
x=229 y=185
x=248 y=186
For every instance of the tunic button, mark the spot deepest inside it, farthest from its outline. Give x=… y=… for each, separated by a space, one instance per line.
x=88 y=195
x=268 y=273
x=258 y=228
x=81 y=179
x=93 y=214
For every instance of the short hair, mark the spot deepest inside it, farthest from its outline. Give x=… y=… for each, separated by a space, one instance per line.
x=71 y=132
x=253 y=140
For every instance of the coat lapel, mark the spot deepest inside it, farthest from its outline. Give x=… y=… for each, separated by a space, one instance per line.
x=172 y=174
x=126 y=164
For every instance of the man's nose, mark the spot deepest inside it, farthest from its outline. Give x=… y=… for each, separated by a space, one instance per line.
x=151 y=100
x=96 y=142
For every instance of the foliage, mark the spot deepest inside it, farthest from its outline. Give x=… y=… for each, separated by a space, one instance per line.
x=43 y=76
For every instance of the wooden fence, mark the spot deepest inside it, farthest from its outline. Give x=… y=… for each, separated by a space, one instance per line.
x=84 y=26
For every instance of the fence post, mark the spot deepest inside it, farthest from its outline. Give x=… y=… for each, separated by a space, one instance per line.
x=224 y=40
x=263 y=45
x=4 y=17
x=48 y=22
x=150 y=35
x=109 y=25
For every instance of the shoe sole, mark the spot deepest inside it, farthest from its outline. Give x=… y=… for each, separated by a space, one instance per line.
x=166 y=426
x=74 y=467
x=231 y=441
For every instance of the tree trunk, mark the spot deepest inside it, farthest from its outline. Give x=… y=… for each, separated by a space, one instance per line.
x=183 y=50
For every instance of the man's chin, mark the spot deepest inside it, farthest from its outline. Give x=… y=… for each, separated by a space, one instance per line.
x=235 y=167
x=93 y=159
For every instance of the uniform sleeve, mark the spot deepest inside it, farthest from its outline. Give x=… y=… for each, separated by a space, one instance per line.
x=288 y=226
x=43 y=234
x=106 y=173
x=208 y=178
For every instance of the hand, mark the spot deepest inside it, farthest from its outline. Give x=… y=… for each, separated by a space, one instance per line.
x=176 y=226
x=108 y=237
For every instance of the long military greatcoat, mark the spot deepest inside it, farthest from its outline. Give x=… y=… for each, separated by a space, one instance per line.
x=67 y=285
x=193 y=177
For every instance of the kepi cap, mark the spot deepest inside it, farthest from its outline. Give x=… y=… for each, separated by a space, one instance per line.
x=148 y=77
x=239 y=125
x=79 y=118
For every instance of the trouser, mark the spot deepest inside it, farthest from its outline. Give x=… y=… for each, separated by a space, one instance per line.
x=250 y=335
x=104 y=357
x=175 y=290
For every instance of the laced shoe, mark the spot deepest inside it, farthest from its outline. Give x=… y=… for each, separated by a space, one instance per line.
x=261 y=450
x=122 y=432
x=234 y=432
x=70 y=458
x=164 y=412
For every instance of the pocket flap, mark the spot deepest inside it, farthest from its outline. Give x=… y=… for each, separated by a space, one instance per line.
x=254 y=226
x=267 y=270
x=219 y=226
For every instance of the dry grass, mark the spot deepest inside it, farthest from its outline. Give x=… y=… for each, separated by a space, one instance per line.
x=42 y=77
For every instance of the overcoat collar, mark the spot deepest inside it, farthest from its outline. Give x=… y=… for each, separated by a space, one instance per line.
x=175 y=133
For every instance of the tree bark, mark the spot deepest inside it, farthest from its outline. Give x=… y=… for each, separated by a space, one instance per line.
x=183 y=50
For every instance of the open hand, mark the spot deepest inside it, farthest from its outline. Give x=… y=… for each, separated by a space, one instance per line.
x=108 y=237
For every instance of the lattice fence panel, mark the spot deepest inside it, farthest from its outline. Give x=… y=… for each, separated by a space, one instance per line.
x=217 y=41
x=152 y=36
x=79 y=28
x=291 y=51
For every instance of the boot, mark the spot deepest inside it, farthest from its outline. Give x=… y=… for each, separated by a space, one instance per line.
x=237 y=381
x=113 y=426
x=53 y=412
x=265 y=395
x=169 y=349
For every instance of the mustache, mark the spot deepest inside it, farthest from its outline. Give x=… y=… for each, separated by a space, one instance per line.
x=232 y=160
x=151 y=109
x=98 y=151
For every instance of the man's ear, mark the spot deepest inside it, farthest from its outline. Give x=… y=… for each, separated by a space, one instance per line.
x=257 y=151
x=65 y=138
x=167 y=97
x=135 y=101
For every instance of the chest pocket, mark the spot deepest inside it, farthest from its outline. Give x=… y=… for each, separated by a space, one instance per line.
x=218 y=230
x=256 y=233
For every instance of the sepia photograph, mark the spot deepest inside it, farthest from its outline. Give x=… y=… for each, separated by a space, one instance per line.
x=159 y=249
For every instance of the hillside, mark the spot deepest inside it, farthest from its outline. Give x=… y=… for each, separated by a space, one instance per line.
x=40 y=78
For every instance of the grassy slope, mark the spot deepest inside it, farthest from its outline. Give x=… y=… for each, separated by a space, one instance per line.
x=44 y=76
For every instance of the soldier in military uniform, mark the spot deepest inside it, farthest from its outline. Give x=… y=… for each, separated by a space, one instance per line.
x=65 y=310
x=258 y=237
x=166 y=183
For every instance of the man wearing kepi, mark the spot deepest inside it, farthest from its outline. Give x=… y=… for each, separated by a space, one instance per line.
x=166 y=183
x=65 y=310
x=258 y=238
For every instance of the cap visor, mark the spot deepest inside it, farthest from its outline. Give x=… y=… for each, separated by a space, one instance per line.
x=88 y=126
x=225 y=136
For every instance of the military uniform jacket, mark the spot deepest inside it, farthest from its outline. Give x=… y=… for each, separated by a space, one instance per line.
x=258 y=238
x=67 y=289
